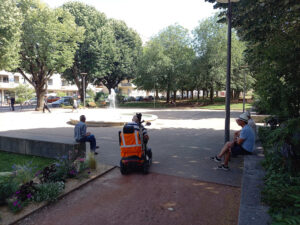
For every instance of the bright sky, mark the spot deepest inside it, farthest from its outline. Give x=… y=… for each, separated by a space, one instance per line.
x=149 y=17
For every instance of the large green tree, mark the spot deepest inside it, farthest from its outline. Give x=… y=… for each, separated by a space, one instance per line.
x=167 y=60
x=121 y=49
x=10 y=34
x=49 y=41
x=88 y=57
x=210 y=43
x=272 y=31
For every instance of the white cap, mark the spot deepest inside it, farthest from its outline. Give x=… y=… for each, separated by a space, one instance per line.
x=243 y=117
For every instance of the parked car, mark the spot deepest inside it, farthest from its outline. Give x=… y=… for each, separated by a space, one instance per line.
x=51 y=99
x=31 y=101
x=66 y=100
x=139 y=98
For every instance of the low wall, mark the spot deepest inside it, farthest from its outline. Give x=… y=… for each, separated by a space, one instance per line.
x=43 y=148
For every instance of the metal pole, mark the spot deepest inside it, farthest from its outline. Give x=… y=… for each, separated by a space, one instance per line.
x=244 y=91
x=227 y=117
x=83 y=87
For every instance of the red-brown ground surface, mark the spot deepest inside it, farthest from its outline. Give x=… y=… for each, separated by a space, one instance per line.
x=138 y=199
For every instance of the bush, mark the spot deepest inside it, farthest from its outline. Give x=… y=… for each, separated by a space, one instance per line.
x=282 y=181
x=100 y=97
x=48 y=191
x=8 y=186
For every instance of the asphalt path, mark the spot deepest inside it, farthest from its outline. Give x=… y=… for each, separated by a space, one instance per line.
x=182 y=140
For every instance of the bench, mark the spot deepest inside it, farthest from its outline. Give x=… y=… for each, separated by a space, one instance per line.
x=44 y=146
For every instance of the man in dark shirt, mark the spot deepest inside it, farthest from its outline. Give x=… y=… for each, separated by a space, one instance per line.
x=81 y=135
x=12 y=102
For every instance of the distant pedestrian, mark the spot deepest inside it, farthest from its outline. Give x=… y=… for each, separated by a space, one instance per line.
x=81 y=135
x=75 y=105
x=12 y=103
x=46 y=104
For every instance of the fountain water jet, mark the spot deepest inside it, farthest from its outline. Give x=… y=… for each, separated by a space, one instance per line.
x=109 y=117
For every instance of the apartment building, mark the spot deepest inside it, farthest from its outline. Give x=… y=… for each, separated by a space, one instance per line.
x=9 y=81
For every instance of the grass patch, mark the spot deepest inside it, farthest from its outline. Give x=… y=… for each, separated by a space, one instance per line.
x=7 y=160
x=145 y=105
x=237 y=106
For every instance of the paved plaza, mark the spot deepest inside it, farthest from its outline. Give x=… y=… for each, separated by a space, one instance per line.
x=183 y=184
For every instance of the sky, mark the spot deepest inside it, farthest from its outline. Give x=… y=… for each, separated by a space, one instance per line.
x=149 y=17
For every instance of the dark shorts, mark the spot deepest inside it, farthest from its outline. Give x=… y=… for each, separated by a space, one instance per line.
x=238 y=150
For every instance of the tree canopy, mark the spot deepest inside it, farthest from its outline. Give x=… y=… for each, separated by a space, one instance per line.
x=88 y=57
x=49 y=40
x=271 y=30
x=10 y=34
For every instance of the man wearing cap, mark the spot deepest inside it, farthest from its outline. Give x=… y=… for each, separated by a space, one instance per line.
x=242 y=144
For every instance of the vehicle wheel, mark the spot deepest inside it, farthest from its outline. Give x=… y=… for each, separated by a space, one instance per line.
x=123 y=169
x=146 y=168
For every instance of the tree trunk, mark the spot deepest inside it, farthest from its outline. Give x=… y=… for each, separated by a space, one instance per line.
x=40 y=93
x=192 y=94
x=212 y=94
x=203 y=94
x=168 y=96
x=174 y=97
x=198 y=94
x=217 y=94
x=182 y=92
x=156 y=94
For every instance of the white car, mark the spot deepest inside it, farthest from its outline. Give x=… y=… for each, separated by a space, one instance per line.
x=31 y=101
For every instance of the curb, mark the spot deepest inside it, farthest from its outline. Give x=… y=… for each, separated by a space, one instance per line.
x=252 y=210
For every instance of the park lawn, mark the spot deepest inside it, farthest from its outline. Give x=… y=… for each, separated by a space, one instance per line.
x=7 y=160
x=144 y=105
x=236 y=106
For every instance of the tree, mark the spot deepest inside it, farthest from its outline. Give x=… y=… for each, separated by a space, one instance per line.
x=152 y=66
x=210 y=43
x=10 y=34
x=88 y=57
x=166 y=60
x=23 y=93
x=49 y=40
x=121 y=48
x=272 y=31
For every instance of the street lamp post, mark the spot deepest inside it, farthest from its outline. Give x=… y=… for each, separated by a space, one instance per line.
x=227 y=102
x=83 y=87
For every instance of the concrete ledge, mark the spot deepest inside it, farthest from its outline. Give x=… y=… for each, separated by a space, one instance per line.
x=252 y=210
x=42 y=147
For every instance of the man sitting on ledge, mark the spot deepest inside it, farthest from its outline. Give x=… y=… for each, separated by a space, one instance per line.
x=81 y=135
x=242 y=144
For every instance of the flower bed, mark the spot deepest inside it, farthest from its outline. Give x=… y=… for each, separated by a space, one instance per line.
x=20 y=189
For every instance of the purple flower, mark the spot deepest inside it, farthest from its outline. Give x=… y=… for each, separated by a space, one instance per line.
x=29 y=195
x=89 y=172
x=38 y=173
x=81 y=159
x=18 y=192
x=15 y=203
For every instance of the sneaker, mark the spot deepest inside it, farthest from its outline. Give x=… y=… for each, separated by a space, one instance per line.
x=223 y=167
x=215 y=158
x=97 y=147
x=95 y=153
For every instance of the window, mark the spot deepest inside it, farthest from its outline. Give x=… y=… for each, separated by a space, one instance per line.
x=5 y=79
x=50 y=82
x=16 y=79
x=64 y=83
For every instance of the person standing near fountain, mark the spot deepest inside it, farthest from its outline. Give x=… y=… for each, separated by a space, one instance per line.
x=81 y=135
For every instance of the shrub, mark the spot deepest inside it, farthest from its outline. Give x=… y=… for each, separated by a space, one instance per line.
x=8 y=186
x=48 y=191
x=282 y=181
x=24 y=173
